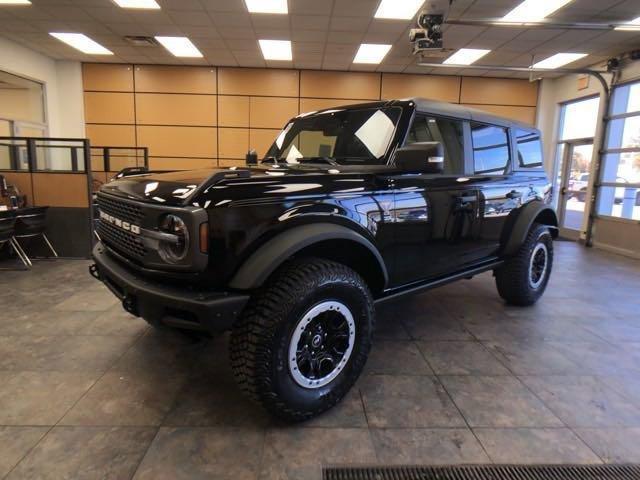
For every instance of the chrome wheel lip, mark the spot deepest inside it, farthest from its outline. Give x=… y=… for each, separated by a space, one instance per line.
x=312 y=313
x=539 y=249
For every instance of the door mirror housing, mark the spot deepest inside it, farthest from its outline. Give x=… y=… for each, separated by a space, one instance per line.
x=421 y=157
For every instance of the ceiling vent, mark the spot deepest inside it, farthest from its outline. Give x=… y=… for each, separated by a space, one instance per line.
x=141 y=41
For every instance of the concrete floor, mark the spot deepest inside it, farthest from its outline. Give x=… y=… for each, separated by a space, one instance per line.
x=86 y=391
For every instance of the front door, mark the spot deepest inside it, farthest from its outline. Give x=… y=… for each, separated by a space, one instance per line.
x=574 y=182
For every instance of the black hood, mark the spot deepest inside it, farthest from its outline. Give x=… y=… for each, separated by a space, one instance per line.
x=181 y=187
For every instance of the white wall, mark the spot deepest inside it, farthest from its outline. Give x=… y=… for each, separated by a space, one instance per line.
x=63 y=86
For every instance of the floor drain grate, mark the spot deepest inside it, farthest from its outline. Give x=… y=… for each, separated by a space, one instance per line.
x=486 y=472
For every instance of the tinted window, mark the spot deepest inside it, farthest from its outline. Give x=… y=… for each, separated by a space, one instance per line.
x=447 y=132
x=490 y=149
x=529 y=149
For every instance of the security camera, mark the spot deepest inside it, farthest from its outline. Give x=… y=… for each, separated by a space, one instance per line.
x=429 y=34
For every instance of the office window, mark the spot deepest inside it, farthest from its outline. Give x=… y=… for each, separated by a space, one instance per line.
x=490 y=149
x=529 y=149
x=448 y=132
x=620 y=192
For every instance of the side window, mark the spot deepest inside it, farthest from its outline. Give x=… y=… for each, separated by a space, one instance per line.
x=529 y=149
x=443 y=130
x=490 y=149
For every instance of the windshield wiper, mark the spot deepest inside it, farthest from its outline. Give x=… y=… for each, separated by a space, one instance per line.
x=328 y=160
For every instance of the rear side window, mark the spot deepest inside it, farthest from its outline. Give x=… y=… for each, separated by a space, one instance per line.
x=529 y=149
x=490 y=149
x=446 y=131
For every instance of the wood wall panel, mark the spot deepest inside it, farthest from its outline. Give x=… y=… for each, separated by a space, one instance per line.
x=323 y=84
x=234 y=142
x=233 y=111
x=106 y=77
x=261 y=140
x=231 y=162
x=111 y=135
x=314 y=104
x=109 y=107
x=178 y=141
x=522 y=114
x=271 y=112
x=169 y=163
x=182 y=113
x=258 y=81
x=442 y=88
x=60 y=190
x=175 y=79
x=499 y=91
x=22 y=180
x=176 y=109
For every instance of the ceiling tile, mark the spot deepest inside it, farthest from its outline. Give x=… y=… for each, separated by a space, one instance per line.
x=310 y=7
x=350 y=24
x=355 y=8
x=310 y=22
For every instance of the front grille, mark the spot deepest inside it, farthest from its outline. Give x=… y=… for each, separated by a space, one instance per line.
x=121 y=209
x=126 y=243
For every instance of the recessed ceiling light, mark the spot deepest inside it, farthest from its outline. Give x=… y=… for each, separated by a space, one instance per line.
x=140 y=4
x=371 y=53
x=15 y=2
x=558 y=60
x=81 y=42
x=631 y=26
x=276 y=49
x=398 y=9
x=466 y=56
x=534 y=10
x=179 y=46
x=267 y=6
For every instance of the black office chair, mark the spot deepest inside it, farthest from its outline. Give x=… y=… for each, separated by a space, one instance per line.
x=31 y=222
x=7 y=232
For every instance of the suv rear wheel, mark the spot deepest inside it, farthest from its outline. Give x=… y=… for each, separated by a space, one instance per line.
x=303 y=340
x=523 y=278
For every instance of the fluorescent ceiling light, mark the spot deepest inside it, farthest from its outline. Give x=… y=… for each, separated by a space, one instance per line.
x=81 y=42
x=276 y=49
x=558 y=60
x=371 y=53
x=15 y=2
x=633 y=25
x=466 y=56
x=267 y=6
x=398 y=9
x=534 y=10
x=179 y=46
x=147 y=4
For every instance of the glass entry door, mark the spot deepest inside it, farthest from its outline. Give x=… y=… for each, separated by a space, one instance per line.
x=574 y=184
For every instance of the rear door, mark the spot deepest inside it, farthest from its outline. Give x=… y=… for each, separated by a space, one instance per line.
x=501 y=192
x=435 y=216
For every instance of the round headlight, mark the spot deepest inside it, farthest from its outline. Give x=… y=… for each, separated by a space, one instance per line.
x=174 y=251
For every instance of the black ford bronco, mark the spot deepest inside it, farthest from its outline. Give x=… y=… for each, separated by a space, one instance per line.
x=349 y=207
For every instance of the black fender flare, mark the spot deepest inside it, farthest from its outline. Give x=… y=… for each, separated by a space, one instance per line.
x=518 y=225
x=267 y=258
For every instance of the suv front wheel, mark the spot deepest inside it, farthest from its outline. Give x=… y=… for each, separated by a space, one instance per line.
x=303 y=340
x=522 y=279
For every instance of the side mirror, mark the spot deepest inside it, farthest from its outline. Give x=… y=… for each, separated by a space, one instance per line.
x=251 y=158
x=422 y=157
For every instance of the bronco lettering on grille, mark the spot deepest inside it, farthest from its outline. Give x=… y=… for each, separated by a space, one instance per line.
x=129 y=227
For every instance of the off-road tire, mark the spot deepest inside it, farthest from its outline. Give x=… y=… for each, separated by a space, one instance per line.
x=513 y=277
x=261 y=337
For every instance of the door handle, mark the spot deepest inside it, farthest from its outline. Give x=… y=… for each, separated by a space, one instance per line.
x=465 y=203
x=563 y=191
x=514 y=194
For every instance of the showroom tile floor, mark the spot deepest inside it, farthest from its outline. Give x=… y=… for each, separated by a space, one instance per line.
x=455 y=376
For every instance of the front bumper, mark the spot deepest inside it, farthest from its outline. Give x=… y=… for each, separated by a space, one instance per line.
x=167 y=304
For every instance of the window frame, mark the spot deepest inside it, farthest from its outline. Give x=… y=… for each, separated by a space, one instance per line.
x=608 y=150
x=508 y=169
x=515 y=163
x=465 y=143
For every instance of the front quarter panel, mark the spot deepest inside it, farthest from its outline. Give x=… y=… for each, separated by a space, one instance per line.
x=245 y=215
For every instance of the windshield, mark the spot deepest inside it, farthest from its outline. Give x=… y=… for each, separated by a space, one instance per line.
x=344 y=137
